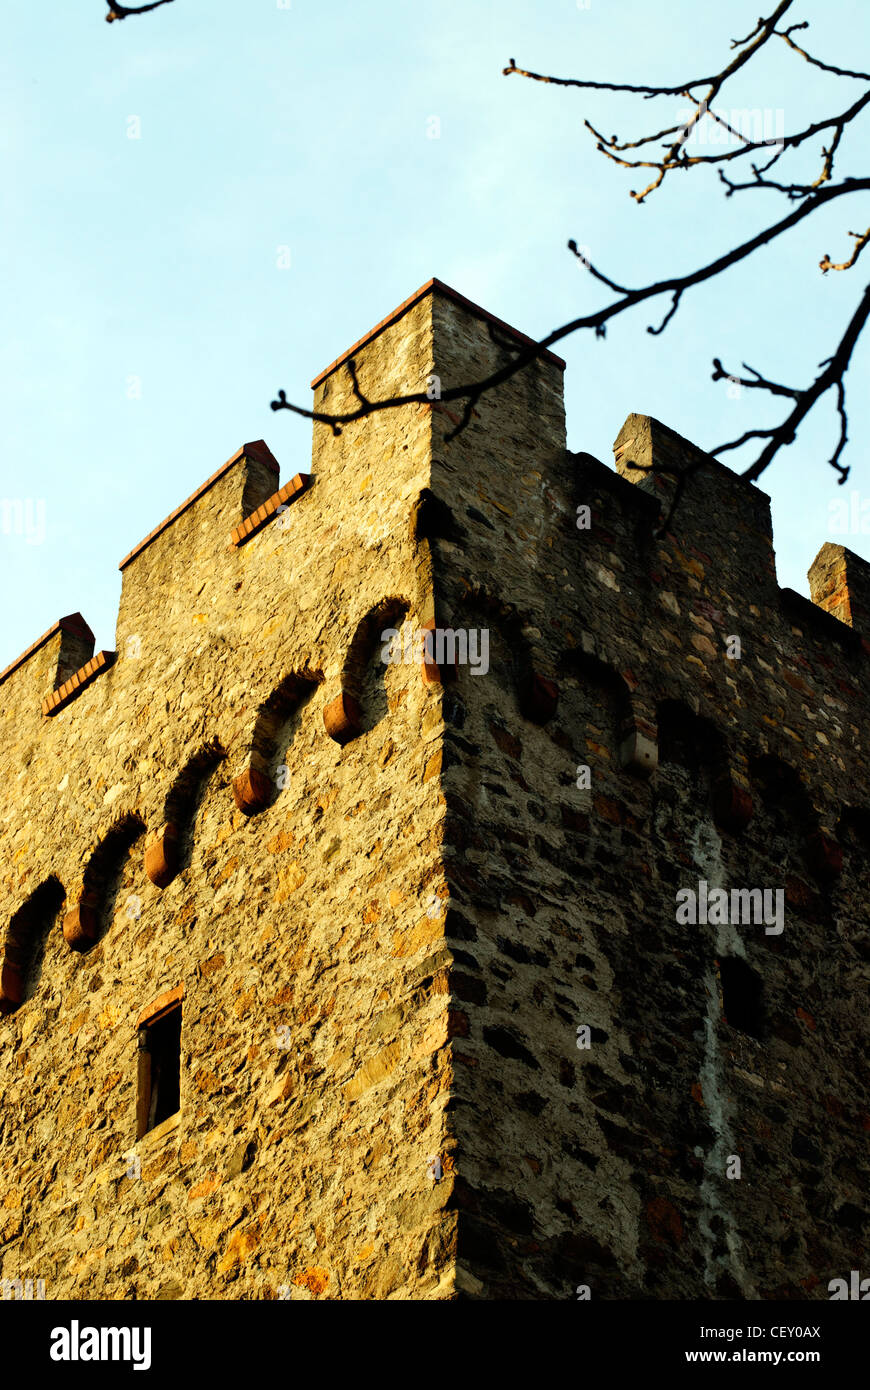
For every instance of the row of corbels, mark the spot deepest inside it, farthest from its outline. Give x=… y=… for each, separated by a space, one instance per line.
x=253 y=791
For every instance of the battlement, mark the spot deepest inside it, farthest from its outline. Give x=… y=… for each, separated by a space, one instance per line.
x=231 y=807
x=721 y=518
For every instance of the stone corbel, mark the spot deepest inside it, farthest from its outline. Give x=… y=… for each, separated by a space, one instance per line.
x=539 y=698
x=252 y=791
x=161 y=856
x=639 y=748
x=824 y=856
x=732 y=804
x=80 y=923
x=432 y=673
x=11 y=988
x=342 y=718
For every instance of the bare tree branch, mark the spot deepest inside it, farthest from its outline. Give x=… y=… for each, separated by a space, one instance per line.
x=117 y=11
x=764 y=30
x=805 y=198
x=605 y=280
x=675 y=155
x=835 y=370
x=676 y=158
x=841 y=443
x=825 y=67
x=760 y=382
x=668 y=316
x=861 y=239
x=471 y=392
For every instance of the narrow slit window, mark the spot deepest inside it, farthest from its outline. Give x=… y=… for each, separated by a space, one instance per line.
x=159 y=1069
x=741 y=996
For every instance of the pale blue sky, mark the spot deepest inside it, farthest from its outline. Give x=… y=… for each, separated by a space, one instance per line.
x=306 y=127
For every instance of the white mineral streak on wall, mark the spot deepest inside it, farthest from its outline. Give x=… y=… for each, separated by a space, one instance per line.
x=707 y=854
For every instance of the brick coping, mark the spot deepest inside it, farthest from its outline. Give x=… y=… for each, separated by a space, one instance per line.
x=419 y=294
x=257 y=449
x=78 y=681
x=73 y=622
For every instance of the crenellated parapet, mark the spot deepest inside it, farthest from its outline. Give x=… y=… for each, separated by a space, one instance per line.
x=289 y=586
x=254 y=597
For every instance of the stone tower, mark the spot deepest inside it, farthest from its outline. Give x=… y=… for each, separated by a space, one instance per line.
x=331 y=976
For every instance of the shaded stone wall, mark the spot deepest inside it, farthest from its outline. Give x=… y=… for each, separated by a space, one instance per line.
x=607 y=1166
x=386 y=902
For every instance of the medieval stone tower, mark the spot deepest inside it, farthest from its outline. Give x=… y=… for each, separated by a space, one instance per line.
x=325 y=976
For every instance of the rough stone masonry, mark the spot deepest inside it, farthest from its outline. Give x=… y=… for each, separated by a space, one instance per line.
x=442 y=1035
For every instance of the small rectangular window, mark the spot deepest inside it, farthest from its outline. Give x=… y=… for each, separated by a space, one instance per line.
x=742 y=1002
x=159 y=1069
